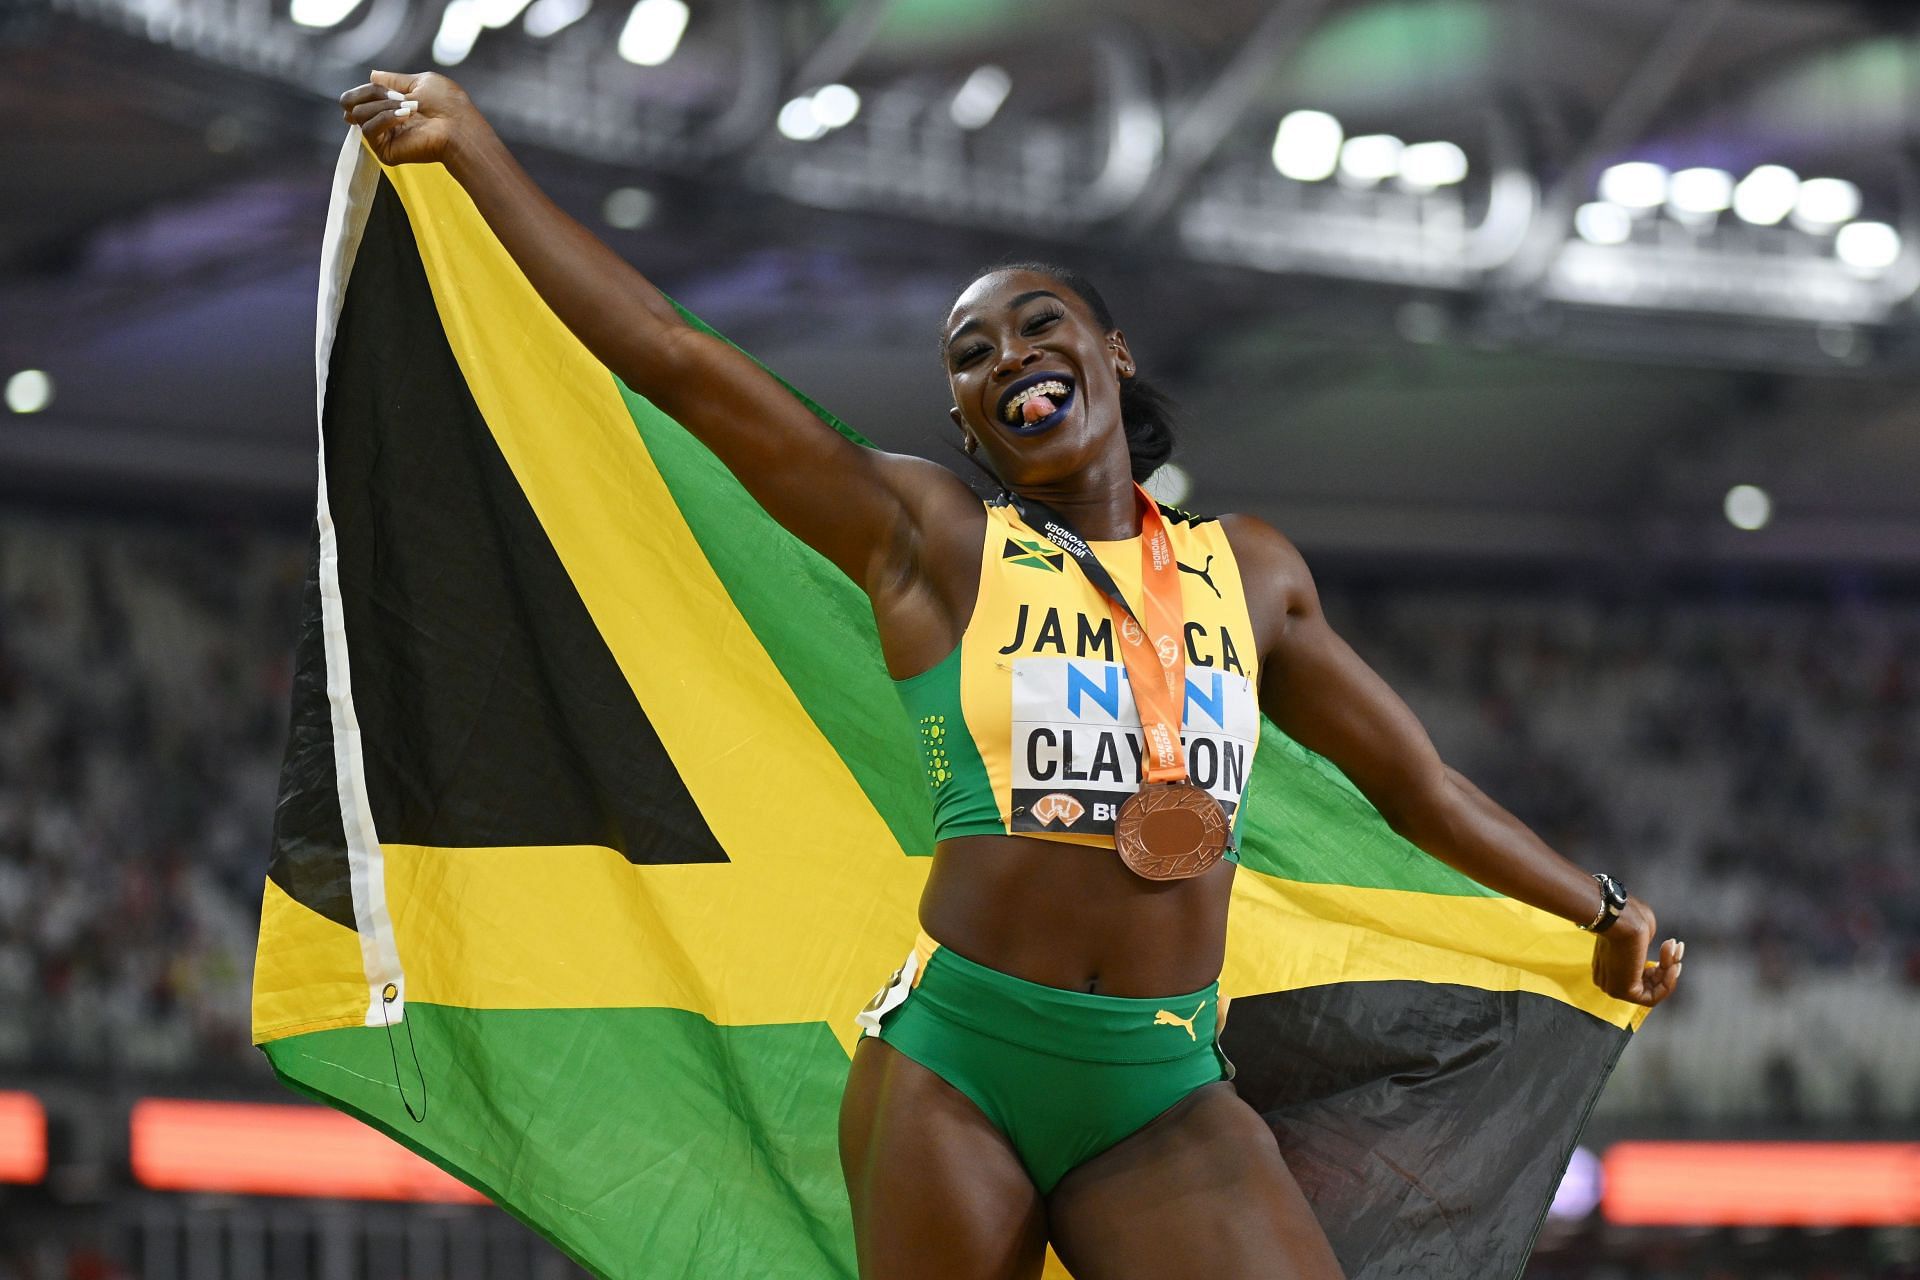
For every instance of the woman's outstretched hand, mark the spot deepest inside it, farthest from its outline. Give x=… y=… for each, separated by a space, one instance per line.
x=425 y=132
x=1622 y=966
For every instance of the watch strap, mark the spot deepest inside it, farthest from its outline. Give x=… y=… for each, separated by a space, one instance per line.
x=1613 y=900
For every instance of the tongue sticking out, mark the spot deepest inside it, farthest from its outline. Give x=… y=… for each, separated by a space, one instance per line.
x=1036 y=408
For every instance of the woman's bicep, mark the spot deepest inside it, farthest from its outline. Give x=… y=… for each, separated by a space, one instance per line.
x=1329 y=700
x=1324 y=695
x=855 y=505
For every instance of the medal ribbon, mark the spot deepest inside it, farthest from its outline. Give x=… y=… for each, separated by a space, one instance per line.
x=1153 y=648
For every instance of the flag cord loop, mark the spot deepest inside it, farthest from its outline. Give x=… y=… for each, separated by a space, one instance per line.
x=387 y=996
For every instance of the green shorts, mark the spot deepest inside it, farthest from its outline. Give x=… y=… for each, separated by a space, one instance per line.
x=1063 y=1074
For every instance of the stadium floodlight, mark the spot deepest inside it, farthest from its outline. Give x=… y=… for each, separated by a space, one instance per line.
x=981 y=97
x=798 y=121
x=1372 y=157
x=628 y=208
x=1767 y=195
x=1579 y=1193
x=1867 y=246
x=548 y=17
x=1306 y=147
x=1748 y=507
x=460 y=26
x=835 y=105
x=29 y=391
x=653 y=32
x=1603 y=223
x=1826 y=203
x=1638 y=184
x=1169 y=484
x=1427 y=166
x=1700 y=193
x=322 y=13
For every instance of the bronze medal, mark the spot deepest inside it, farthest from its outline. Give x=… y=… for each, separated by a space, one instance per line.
x=1170 y=831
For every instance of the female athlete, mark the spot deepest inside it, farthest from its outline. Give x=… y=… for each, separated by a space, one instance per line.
x=1043 y=1068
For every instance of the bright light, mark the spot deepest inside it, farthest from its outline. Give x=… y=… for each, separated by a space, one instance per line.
x=798 y=121
x=548 y=17
x=1868 y=246
x=1579 y=1192
x=1373 y=157
x=1603 y=223
x=835 y=105
x=1306 y=147
x=1767 y=195
x=29 y=391
x=1701 y=192
x=627 y=208
x=653 y=32
x=1748 y=507
x=1635 y=185
x=1169 y=484
x=322 y=13
x=23 y=1138
x=1826 y=202
x=1427 y=165
x=980 y=98
x=460 y=26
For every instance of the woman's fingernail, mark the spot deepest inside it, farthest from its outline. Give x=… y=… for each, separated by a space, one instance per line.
x=396 y=95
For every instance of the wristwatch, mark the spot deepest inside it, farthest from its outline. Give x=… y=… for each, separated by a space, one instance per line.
x=1613 y=900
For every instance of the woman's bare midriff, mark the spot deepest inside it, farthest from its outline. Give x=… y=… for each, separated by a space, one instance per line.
x=1073 y=916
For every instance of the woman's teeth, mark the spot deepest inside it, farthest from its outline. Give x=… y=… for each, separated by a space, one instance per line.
x=1036 y=402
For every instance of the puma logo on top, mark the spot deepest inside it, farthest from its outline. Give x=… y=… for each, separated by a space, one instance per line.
x=1204 y=573
x=1163 y=1018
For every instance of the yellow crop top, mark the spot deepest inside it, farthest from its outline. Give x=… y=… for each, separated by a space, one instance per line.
x=1029 y=727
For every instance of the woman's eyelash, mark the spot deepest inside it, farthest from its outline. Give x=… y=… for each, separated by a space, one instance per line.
x=979 y=349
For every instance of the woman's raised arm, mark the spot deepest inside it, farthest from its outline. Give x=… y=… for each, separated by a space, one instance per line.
x=1327 y=699
x=858 y=507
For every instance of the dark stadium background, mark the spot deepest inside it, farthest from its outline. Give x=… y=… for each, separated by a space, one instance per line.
x=1515 y=417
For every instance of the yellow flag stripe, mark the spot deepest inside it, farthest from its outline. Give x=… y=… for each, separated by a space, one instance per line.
x=1289 y=934
x=307 y=974
x=561 y=930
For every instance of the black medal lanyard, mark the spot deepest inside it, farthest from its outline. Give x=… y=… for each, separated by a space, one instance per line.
x=1053 y=526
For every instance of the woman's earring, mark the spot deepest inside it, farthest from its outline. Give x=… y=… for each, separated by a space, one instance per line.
x=970 y=445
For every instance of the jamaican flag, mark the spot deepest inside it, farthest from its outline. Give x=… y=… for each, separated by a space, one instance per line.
x=600 y=819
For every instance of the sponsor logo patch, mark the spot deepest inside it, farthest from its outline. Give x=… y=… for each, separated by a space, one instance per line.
x=1057 y=806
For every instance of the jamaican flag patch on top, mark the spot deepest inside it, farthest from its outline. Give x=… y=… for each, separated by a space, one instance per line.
x=600 y=820
x=1035 y=555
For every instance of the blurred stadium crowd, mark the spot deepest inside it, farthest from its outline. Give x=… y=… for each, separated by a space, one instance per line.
x=143 y=690
x=1745 y=764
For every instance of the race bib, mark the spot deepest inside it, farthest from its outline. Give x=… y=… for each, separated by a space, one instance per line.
x=1077 y=746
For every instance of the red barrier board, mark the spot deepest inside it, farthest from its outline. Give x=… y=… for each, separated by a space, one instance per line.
x=1775 y=1184
x=269 y=1149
